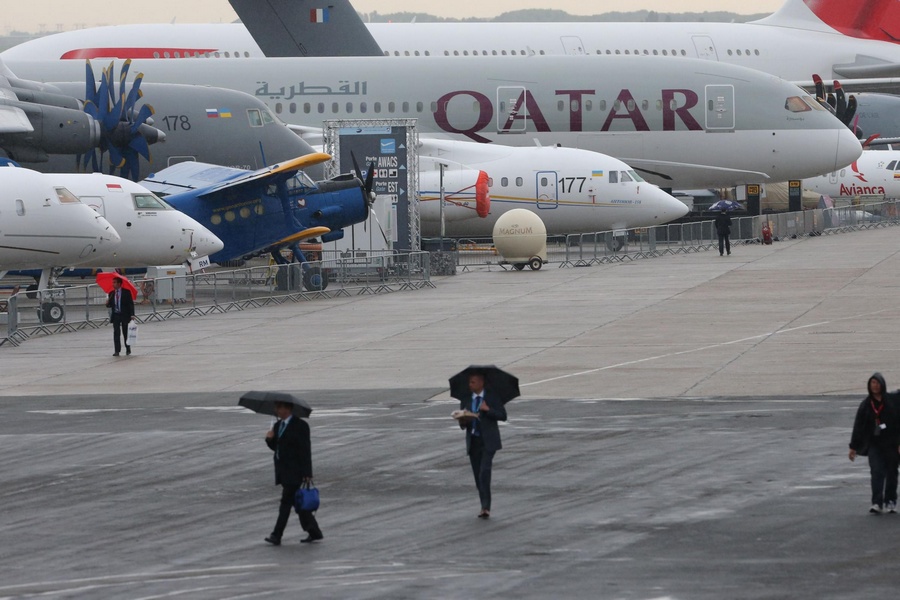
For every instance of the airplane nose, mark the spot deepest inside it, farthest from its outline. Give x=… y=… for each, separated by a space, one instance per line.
x=207 y=243
x=670 y=208
x=108 y=232
x=848 y=149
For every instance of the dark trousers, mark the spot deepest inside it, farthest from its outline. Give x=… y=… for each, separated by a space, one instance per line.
x=120 y=328
x=307 y=519
x=482 y=461
x=883 y=464
x=724 y=244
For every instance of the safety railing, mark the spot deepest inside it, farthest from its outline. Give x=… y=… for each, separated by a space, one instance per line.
x=71 y=308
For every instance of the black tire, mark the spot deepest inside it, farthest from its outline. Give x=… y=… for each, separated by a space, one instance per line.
x=52 y=312
x=615 y=243
x=536 y=263
x=287 y=278
x=314 y=279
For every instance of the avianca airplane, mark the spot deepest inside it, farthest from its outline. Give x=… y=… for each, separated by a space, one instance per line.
x=703 y=124
x=836 y=39
x=875 y=173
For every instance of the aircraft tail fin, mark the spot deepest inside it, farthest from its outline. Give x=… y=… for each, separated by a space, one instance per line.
x=300 y=28
x=863 y=19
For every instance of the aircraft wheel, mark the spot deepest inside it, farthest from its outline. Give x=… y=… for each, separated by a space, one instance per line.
x=615 y=243
x=51 y=312
x=519 y=266
x=536 y=264
x=314 y=279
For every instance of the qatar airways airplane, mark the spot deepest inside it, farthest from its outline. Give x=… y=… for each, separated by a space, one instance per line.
x=850 y=40
x=703 y=124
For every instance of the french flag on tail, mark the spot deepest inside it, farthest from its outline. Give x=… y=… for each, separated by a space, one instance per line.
x=318 y=15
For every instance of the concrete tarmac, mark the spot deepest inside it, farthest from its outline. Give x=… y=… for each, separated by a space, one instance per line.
x=682 y=433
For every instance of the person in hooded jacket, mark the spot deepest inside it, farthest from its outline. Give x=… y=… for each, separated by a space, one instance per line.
x=876 y=434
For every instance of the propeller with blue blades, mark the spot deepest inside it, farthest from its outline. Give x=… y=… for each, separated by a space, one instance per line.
x=126 y=131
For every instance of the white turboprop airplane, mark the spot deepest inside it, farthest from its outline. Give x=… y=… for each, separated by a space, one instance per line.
x=835 y=39
x=573 y=191
x=702 y=124
x=44 y=225
x=875 y=173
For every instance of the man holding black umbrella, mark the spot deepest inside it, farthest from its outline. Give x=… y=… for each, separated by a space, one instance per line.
x=289 y=439
x=482 y=436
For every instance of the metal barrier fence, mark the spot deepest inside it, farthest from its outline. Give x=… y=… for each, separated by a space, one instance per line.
x=71 y=308
x=624 y=245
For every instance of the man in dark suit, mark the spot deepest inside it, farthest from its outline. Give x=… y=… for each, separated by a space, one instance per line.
x=482 y=437
x=723 y=229
x=121 y=305
x=289 y=439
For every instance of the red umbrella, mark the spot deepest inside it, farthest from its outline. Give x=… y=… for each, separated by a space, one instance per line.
x=105 y=281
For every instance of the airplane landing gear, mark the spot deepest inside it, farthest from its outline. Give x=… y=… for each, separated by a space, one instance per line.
x=51 y=312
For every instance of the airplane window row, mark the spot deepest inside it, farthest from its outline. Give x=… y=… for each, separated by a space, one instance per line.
x=231 y=216
x=420 y=107
x=738 y=52
x=542 y=52
x=178 y=54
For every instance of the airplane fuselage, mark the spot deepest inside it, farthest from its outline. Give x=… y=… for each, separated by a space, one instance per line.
x=875 y=173
x=573 y=191
x=42 y=224
x=152 y=232
x=701 y=125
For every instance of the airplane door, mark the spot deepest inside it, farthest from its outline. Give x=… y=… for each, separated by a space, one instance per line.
x=833 y=178
x=719 y=107
x=572 y=44
x=705 y=48
x=95 y=202
x=512 y=111
x=547 y=192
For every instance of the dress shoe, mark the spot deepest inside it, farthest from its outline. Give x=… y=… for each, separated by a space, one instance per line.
x=127 y=350
x=274 y=540
x=484 y=515
x=115 y=353
x=312 y=538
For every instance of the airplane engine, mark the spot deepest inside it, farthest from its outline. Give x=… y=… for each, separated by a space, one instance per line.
x=56 y=130
x=466 y=195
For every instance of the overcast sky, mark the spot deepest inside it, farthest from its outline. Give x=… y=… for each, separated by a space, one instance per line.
x=52 y=15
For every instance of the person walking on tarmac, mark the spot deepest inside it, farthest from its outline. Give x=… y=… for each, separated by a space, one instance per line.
x=723 y=229
x=876 y=434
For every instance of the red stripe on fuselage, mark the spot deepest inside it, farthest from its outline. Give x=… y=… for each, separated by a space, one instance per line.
x=161 y=53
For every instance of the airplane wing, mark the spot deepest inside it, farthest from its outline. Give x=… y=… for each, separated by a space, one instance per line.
x=14 y=120
x=214 y=179
x=662 y=173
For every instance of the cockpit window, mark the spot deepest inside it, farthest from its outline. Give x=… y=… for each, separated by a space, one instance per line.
x=614 y=177
x=301 y=182
x=635 y=176
x=66 y=197
x=891 y=165
x=796 y=104
x=814 y=103
x=255 y=117
x=267 y=117
x=624 y=176
x=149 y=202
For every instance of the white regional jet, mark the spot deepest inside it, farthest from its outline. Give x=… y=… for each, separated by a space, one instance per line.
x=43 y=224
x=573 y=191
x=875 y=173
x=702 y=124
x=837 y=39
x=153 y=233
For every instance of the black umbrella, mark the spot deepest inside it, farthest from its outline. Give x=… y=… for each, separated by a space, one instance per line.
x=264 y=403
x=500 y=383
